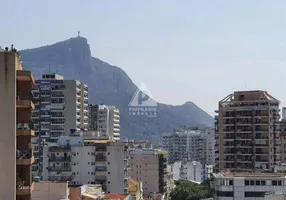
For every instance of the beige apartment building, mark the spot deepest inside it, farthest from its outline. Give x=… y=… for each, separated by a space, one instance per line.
x=16 y=129
x=50 y=191
x=248 y=131
x=149 y=166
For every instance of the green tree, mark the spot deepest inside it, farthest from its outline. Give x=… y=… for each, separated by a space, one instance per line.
x=187 y=190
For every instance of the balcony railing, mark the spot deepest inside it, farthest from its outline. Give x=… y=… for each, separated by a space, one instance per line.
x=59 y=168
x=59 y=159
x=25 y=128
x=60 y=178
x=22 y=189
x=100 y=158
x=100 y=168
x=24 y=157
x=60 y=149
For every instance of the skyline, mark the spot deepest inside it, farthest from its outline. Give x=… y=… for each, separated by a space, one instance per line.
x=201 y=47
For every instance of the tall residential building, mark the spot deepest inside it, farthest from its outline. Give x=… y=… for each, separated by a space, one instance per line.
x=88 y=159
x=248 y=131
x=150 y=167
x=61 y=105
x=194 y=145
x=16 y=129
x=105 y=119
x=283 y=136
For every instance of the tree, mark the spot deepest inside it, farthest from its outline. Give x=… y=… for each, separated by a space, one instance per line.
x=187 y=190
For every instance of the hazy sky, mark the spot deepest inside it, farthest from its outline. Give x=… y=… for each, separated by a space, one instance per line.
x=183 y=50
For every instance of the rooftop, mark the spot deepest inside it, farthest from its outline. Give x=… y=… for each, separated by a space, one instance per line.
x=248 y=174
x=115 y=196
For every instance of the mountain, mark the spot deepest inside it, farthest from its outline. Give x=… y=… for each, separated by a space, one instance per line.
x=110 y=85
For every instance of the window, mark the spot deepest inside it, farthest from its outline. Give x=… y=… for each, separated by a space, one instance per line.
x=257 y=183
x=279 y=182
x=274 y=183
x=263 y=183
x=251 y=182
x=108 y=172
x=246 y=182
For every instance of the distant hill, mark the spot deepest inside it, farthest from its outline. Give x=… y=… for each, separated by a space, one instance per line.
x=110 y=85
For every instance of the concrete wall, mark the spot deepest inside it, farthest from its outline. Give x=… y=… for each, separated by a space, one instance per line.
x=115 y=169
x=70 y=105
x=145 y=168
x=8 y=126
x=83 y=165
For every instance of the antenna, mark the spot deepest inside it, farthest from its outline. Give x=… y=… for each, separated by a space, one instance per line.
x=78 y=34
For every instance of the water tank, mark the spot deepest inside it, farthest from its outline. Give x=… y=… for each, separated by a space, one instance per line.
x=36 y=179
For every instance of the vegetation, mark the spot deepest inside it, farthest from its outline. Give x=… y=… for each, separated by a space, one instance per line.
x=187 y=190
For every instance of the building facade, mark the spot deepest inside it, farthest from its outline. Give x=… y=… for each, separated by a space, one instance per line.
x=246 y=186
x=50 y=191
x=16 y=128
x=149 y=166
x=283 y=136
x=194 y=145
x=190 y=170
x=248 y=131
x=88 y=161
x=105 y=119
x=61 y=106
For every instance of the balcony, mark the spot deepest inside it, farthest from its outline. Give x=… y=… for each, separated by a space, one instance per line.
x=24 y=157
x=101 y=158
x=23 y=75
x=21 y=189
x=100 y=173
x=61 y=178
x=100 y=168
x=59 y=159
x=59 y=169
x=25 y=129
x=25 y=104
x=67 y=148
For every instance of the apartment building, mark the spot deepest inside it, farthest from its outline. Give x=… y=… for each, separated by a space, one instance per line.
x=105 y=119
x=16 y=128
x=190 y=170
x=150 y=167
x=50 y=191
x=61 y=105
x=247 y=186
x=248 y=131
x=80 y=161
x=190 y=144
x=283 y=136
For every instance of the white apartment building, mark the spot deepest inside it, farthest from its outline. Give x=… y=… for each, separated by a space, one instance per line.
x=88 y=161
x=60 y=106
x=246 y=186
x=190 y=170
x=195 y=145
x=150 y=167
x=105 y=119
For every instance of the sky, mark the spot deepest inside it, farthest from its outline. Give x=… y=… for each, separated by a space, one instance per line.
x=183 y=50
